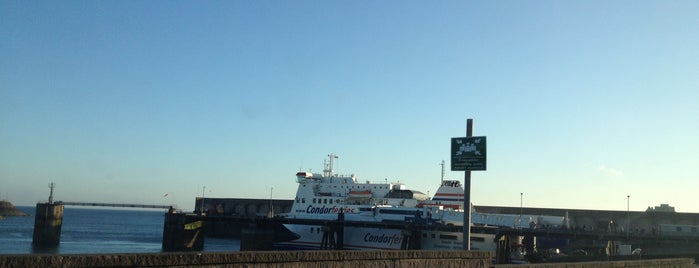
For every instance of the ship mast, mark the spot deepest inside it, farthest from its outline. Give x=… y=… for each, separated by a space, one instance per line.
x=328 y=165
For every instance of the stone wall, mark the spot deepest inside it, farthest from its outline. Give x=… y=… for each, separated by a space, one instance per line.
x=330 y=259
x=656 y=263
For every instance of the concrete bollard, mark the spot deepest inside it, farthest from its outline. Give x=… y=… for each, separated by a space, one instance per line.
x=47 y=225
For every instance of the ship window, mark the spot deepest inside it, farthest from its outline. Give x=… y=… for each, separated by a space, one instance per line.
x=450 y=237
x=432 y=235
x=314 y=200
x=303 y=200
x=424 y=235
x=311 y=229
x=331 y=201
x=679 y=229
x=325 y=201
x=694 y=229
x=477 y=239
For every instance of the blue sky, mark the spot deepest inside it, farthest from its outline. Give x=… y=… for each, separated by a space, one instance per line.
x=583 y=102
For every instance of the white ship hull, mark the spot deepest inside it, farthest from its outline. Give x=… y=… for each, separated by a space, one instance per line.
x=368 y=238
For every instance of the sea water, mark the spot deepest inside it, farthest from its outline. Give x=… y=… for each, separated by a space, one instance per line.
x=88 y=230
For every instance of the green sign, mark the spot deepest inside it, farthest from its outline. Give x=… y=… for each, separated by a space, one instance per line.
x=468 y=153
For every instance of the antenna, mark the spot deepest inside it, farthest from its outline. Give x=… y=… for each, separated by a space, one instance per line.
x=52 y=185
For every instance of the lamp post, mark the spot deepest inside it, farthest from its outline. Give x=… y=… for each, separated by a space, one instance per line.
x=271 y=210
x=628 y=217
x=203 y=192
x=521 y=195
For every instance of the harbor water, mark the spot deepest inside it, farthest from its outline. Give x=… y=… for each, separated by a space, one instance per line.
x=88 y=230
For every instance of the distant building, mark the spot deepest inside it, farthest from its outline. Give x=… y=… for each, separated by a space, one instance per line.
x=661 y=208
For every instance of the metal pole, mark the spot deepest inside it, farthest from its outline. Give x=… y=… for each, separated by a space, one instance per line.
x=201 y=210
x=271 y=211
x=520 y=208
x=467 y=195
x=628 y=218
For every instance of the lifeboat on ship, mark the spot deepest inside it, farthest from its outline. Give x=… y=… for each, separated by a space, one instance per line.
x=360 y=194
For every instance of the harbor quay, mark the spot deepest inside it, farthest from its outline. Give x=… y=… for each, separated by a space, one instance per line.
x=654 y=233
x=640 y=222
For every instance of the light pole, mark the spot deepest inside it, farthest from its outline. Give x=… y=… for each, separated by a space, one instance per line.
x=271 y=211
x=203 y=191
x=628 y=217
x=521 y=195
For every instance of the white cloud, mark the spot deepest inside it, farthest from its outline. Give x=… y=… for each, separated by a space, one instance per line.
x=609 y=170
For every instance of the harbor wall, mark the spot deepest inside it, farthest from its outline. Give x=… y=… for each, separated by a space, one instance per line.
x=637 y=221
x=365 y=259
x=394 y=258
x=331 y=259
x=653 y=263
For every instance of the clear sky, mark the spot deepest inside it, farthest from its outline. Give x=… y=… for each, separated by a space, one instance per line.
x=583 y=102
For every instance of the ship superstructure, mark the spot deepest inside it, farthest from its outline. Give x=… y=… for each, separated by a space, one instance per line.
x=328 y=194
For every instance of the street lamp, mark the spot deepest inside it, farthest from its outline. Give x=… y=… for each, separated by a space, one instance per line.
x=271 y=210
x=520 y=207
x=628 y=218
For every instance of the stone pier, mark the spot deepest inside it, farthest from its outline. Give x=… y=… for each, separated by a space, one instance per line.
x=47 y=225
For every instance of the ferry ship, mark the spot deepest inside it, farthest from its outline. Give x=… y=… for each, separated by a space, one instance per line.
x=323 y=196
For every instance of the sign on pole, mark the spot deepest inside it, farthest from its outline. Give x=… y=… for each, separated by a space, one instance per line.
x=468 y=153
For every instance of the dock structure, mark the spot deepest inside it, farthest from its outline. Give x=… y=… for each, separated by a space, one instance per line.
x=650 y=245
x=48 y=220
x=258 y=233
x=114 y=205
x=633 y=221
x=566 y=233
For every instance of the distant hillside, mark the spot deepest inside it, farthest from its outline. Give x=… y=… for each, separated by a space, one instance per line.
x=8 y=209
